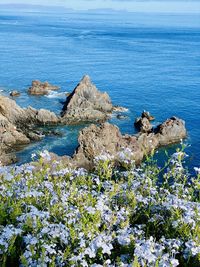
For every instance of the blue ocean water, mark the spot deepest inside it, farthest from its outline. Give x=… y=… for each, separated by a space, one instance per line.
x=144 y=61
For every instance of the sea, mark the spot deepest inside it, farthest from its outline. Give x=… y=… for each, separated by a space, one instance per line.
x=144 y=61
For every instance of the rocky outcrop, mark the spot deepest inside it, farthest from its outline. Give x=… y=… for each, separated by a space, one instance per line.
x=14 y=93
x=106 y=138
x=171 y=131
x=20 y=116
x=17 y=124
x=86 y=103
x=143 y=123
x=40 y=88
x=146 y=114
x=10 y=137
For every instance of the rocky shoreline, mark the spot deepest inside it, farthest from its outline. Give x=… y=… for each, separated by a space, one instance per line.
x=18 y=126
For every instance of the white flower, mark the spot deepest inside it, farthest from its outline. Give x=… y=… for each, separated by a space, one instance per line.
x=91 y=210
x=33 y=156
x=45 y=155
x=90 y=252
x=174 y=262
x=104 y=157
x=50 y=249
x=197 y=170
x=126 y=156
x=124 y=240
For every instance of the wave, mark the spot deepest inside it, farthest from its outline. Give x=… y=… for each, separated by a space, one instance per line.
x=56 y=95
x=9 y=23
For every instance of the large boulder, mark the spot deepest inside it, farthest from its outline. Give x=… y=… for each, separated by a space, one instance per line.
x=106 y=138
x=40 y=88
x=86 y=103
x=171 y=131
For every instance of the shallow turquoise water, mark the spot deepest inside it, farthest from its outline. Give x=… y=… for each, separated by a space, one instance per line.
x=143 y=61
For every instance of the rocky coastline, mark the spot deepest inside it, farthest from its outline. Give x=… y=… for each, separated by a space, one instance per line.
x=18 y=126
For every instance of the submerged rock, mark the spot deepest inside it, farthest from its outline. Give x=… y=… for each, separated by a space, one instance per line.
x=40 y=88
x=86 y=103
x=14 y=93
x=121 y=117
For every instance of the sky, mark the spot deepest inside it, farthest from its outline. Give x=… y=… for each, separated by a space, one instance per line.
x=188 y=6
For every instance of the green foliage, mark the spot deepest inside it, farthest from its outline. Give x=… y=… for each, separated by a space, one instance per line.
x=51 y=215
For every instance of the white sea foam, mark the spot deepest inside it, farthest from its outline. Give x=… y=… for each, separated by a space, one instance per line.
x=120 y=109
x=56 y=94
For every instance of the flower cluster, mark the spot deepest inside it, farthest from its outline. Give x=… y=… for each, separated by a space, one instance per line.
x=52 y=215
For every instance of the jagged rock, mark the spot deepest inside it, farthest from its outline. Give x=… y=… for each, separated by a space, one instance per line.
x=40 y=88
x=86 y=103
x=14 y=93
x=147 y=142
x=10 y=137
x=46 y=117
x=16 y=124
x=146 y=114
x=171 y=131
x=143 y=123
x=106 y=138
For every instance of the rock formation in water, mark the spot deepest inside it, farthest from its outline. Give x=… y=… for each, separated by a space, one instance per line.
x=86 y=103
x=171 y=131
x=143 y=123
x=14 y=93
x=17 y=124
x=106 y=138
x=39 y=88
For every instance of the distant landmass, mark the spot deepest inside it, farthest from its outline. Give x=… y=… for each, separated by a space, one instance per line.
x=33 y=7
x=30 y=7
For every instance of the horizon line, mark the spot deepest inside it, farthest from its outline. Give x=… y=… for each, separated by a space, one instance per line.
x=61 y=7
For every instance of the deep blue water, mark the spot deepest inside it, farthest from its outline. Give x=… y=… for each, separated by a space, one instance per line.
x=144 y=61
